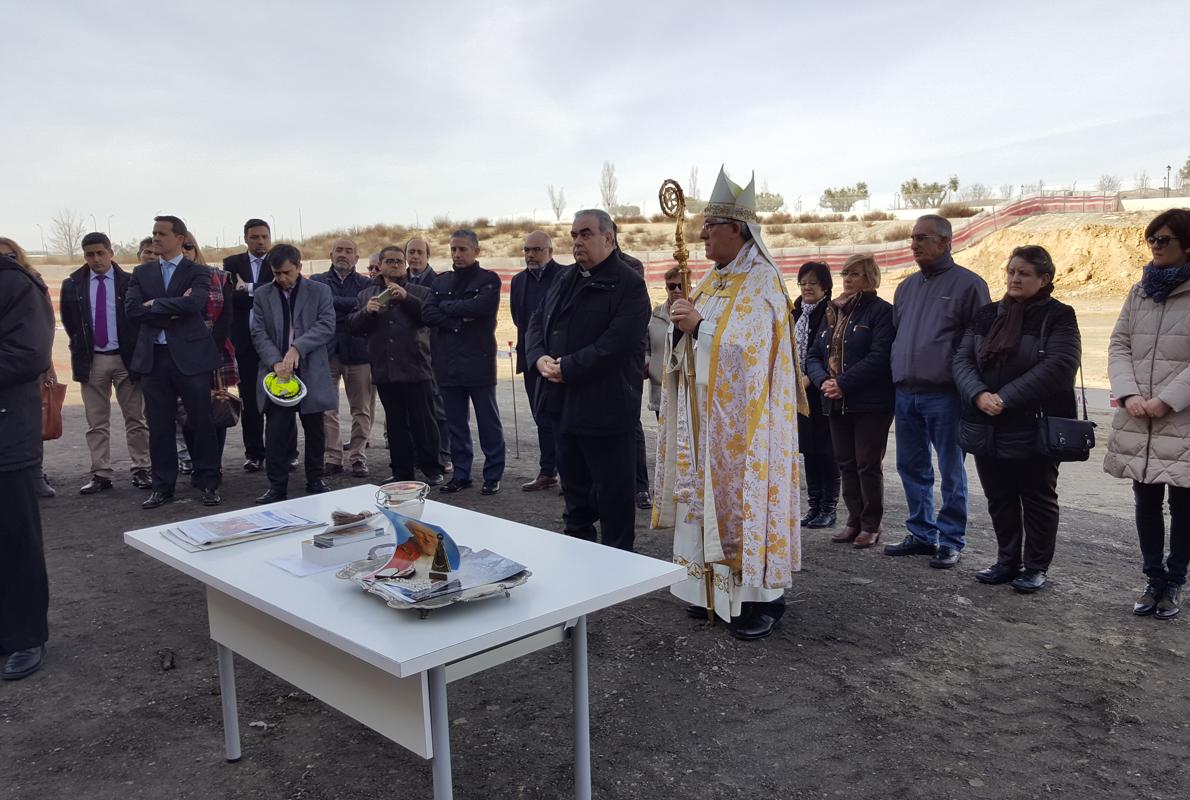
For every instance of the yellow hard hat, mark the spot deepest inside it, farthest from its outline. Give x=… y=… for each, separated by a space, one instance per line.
x=284 y=392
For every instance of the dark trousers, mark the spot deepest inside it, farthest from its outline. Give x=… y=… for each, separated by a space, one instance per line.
x=162 y=388
x=859 y=441
x=822 y=480
x=220 y=443
x=1150 y=529
x=597 y=484
x=1023 y=504
x=642 y=464
x=487 y=419
x=443 y=428
x=251 y=418
x=24 y=588
x=280 y=431
x=548 y=462
x=412 y=429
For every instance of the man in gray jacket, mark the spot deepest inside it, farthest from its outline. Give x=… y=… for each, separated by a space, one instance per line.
x=932 y=309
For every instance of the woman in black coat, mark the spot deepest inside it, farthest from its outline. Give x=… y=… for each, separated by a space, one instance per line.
x=849 y=363
x=1018 y=357
x=813 y=432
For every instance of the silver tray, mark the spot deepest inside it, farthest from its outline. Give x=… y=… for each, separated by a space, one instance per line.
x=353 y=571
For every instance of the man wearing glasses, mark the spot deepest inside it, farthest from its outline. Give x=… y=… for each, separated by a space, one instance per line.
x=527 y=291
x=931 y=311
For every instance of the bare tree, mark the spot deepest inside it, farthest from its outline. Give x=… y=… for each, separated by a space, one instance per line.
x=692 y=186
x=1006 y=190
x=608 y=185
x=557 y=201
x=976 y=192
x=1108 y=184
x=1141 y=179
x=66 y=230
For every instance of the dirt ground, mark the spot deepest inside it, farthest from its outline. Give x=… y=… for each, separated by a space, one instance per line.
x=885 y=679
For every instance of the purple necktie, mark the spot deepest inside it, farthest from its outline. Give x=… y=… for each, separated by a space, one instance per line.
x=101 y=313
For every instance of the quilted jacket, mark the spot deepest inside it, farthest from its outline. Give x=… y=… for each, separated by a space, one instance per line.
x=1149 y=355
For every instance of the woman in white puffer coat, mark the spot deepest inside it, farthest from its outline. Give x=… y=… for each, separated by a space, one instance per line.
x=1149 y=368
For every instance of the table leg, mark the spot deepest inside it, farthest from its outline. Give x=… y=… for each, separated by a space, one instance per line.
x=582 y=712
x=440 y=735
x=227 y=693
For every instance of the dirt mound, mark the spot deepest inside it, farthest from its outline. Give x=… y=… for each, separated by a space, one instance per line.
x=1097 y=256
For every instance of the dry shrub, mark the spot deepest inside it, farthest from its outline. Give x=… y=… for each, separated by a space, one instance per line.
x=659 y=218
x=441 y=223
x=776 y=229
x=853 y=218
x=894 y=233
x=511 y=226
x=953 y=210
x=811 y=217
x=878 y=216
x=814 y=233
x=630 y=219
x=779 y=218
x=479 y=222
x=514 y=250
x=694 y=227
x=655 y=241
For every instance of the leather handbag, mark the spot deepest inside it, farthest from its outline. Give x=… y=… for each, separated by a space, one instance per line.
x=225 y=408
x=53 y=395
x=1059 y=438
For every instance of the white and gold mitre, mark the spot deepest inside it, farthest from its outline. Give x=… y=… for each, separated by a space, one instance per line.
x=729 y=201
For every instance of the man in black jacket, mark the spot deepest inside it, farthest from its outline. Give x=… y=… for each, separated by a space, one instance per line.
x=463 y=309
x=587 y=341
x=417 y=259
x=249 y=272
x=101 y=344
x=389 y=315
x=26 y=340
x=348 y=362
x=175 y=354
x=526 y=294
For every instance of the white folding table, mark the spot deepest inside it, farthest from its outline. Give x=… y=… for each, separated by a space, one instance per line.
x=389 y=668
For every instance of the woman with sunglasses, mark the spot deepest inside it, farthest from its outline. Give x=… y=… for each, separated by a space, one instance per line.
x=1148 y=363
x=658 y=333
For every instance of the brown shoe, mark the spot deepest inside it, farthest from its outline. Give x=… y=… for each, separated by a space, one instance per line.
x=539 y=483
x=866 y=539
x=845 y=535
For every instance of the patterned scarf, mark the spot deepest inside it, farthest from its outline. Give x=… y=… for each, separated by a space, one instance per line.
x=801 y=329
x=1004 y=336
x=1158 y=282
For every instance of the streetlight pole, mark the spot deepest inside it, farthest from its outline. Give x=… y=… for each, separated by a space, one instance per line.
x=42 y=231
x=109 y=224
x=94 y=224
x=1167 y=169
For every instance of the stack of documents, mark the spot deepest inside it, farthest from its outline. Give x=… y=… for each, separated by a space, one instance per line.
x=210 y=533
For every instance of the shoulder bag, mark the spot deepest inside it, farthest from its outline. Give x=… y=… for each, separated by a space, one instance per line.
x=1059 y=438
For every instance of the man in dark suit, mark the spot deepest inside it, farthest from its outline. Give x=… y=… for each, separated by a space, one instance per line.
x=250 y=273
x=526 y=294
x=175 y=356
x=293 y=320
x=463 y=308
x=417 y=253
x=587 y=342
x=102 y=340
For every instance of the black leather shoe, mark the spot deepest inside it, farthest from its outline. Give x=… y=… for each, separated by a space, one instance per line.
x=998 y=573
x=644 y=501
x=95 y=485
x=755 y=625
x=490 y=487
x=1147 y=603
x=23 y=663
x=332 y=469
x=825 y=518
x=252 y=465
x=1170 y=604
x=944 y=558
x=697 y=612
x=1030 y=581
x=911 y=546
x=455 y=485
x=42 y=487
x=811 y=513
x=141 y=479
x=157 y=499
x=271 y=496
x=210 y=497
x=317 y=487
x=435 y=480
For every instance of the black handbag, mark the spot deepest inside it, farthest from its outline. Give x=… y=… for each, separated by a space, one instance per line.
x=1059 y=438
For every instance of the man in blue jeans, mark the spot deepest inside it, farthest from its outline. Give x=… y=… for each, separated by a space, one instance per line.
x=932 y=309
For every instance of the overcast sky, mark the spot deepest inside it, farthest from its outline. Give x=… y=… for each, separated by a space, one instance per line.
x=360 y=113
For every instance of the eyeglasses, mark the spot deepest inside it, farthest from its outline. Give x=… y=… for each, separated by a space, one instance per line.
x=851 y=274
x=1159 y=241
x=187 y=247
x=708 y=224
x=534 y=249
x=807 y=284
x=673 y=287
x=393 y=261
x=921 y=238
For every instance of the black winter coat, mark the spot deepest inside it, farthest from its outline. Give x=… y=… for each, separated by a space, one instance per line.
x=598 y=332
x=346 y=347
x=74 y=307
x=26 y=343
x=1033 y=379
x=866 y=378
x=462 y=308
x=397 y=338
x=813 y=432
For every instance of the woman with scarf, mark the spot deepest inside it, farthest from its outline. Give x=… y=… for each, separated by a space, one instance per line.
x=1017 y=359
x=849 y=363
x=813 y=432
x=1148 y=363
